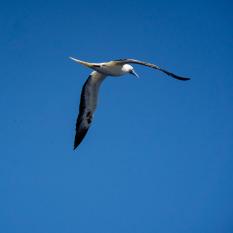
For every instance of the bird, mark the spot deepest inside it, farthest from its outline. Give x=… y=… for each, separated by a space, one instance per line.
x=90 y=89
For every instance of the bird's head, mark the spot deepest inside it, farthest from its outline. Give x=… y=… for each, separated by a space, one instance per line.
x=129 y=69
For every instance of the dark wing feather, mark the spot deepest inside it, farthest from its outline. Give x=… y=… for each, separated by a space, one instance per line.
x=133 y=61
x=87 y=106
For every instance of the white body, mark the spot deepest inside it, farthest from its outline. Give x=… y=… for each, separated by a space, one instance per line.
x=113 y=69
x=110 y=70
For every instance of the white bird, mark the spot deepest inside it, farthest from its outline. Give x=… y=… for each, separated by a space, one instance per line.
x=90 y=89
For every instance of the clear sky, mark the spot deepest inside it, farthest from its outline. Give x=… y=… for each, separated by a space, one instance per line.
x=159 y=155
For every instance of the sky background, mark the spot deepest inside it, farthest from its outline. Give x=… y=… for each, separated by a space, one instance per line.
x=159 y=154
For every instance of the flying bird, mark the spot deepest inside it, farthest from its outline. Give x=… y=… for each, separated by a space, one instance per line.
x=90 y=88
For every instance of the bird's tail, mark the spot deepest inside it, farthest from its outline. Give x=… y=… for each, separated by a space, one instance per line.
x=87 y=64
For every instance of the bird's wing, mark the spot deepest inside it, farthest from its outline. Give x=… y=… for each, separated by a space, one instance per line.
x=87 y=105
x=133 y=61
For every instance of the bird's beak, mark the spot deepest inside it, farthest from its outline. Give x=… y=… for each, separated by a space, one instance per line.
x=134 y=73
x=87 y=64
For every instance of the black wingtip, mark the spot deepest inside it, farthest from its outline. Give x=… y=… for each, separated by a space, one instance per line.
x=182 y=78
x=76 y=143
x=175 y=76
x=79 y=137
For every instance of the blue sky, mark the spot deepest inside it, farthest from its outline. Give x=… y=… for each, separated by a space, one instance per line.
x=159 y=155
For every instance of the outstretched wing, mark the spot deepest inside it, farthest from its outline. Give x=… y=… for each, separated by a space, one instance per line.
x=87 y=105
x=133 y=61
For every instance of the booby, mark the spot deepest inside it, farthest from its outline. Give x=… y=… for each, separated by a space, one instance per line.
x=90 y=89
